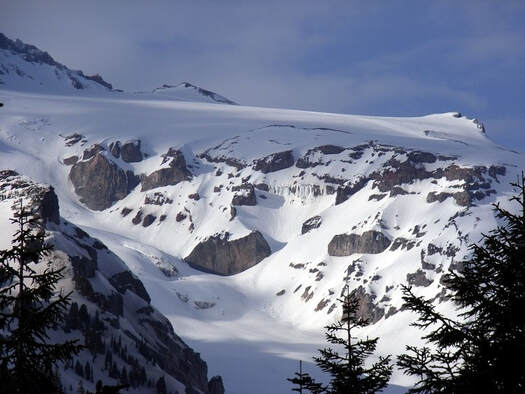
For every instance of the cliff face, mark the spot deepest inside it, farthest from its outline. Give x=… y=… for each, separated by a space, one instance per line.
x=222 y=256
x=127 y=339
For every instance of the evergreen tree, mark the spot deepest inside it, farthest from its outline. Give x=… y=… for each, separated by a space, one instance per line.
x=304 y=383
x=483 y=351
x=29 y=308
x=349 y=374
x=348 y=370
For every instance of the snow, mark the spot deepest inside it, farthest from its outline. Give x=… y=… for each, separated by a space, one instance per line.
x=250 y=336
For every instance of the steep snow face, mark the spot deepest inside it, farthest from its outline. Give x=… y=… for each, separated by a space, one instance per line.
x=25 y=67
x=367 y=203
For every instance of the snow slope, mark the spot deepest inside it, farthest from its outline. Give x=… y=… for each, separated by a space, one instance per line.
x=422 y=186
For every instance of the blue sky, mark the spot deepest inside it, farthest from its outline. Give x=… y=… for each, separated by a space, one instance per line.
x=400 y=58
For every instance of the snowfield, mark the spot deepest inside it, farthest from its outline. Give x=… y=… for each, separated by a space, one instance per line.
x=253 y=327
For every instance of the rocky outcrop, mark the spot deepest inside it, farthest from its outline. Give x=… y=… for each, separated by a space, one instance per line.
x=92 y=151
x=369 y=242
x=310 y=159
x=367 y=309
x=99 y=182
x=69 y=161
x=310 y=224
x=215 y=385
x=175 y=172
x=245 y=195
x=129 y=151
x=220 y=255
x=274 y=162
x=125 y=280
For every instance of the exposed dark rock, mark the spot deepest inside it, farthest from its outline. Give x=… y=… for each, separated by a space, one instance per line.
x=311 y=224
x=69 y=161
x=245 y=195
x=391 y=311
x=433 y=249
x=262 y=186
x=418 y=278
x=366 y=308
x=138 y=217
x=307 y=294
x=274 y=162
x=100 y=183
x=377 y=197
x=463 y=198
x=280 y=293
x=403 y=243
x=344 y=193
x=421 y=157
x=162 y=218
x=148 y=220
x=219 y=255
x=215 y=385
x=330 y=149
x=369 y=242
x=180 y=216
x=233 y=213
x=307 y=161
x=48 y=206
x=322 y=304
x=130 y=151
x=397 y=191
x=238 y=164
x=125 y=280
x=157 y=199
x=92 y=151
x=126 y=211
x=194 y=196
x=114 y=148
x=175 y=173
x=494 y=171
x=72 y=139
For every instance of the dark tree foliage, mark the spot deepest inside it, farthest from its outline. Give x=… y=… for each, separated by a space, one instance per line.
x=349 y=374
x=304 y=383
x=483 y=351
x=29 y=308
x=348 y=370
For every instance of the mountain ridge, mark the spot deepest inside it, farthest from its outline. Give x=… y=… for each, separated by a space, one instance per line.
x=341 y=201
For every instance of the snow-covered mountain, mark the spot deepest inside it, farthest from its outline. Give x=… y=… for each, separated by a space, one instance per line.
x=25 y=67
x=246 y=224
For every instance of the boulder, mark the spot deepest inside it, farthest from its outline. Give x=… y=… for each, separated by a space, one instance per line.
x=100 y=183
x=369 y=242
x=176 y=172
x=219 y=255
x=310 y=224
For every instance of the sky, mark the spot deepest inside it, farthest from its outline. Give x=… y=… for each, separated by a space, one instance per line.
x=389 y=58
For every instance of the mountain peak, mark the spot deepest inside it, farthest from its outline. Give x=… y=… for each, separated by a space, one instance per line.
x=190 y=92
x=26 y=67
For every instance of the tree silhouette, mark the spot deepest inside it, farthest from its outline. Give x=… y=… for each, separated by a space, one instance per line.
x=29 y=308
x=483 y=351
x=348 y=370
x=349 y=374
